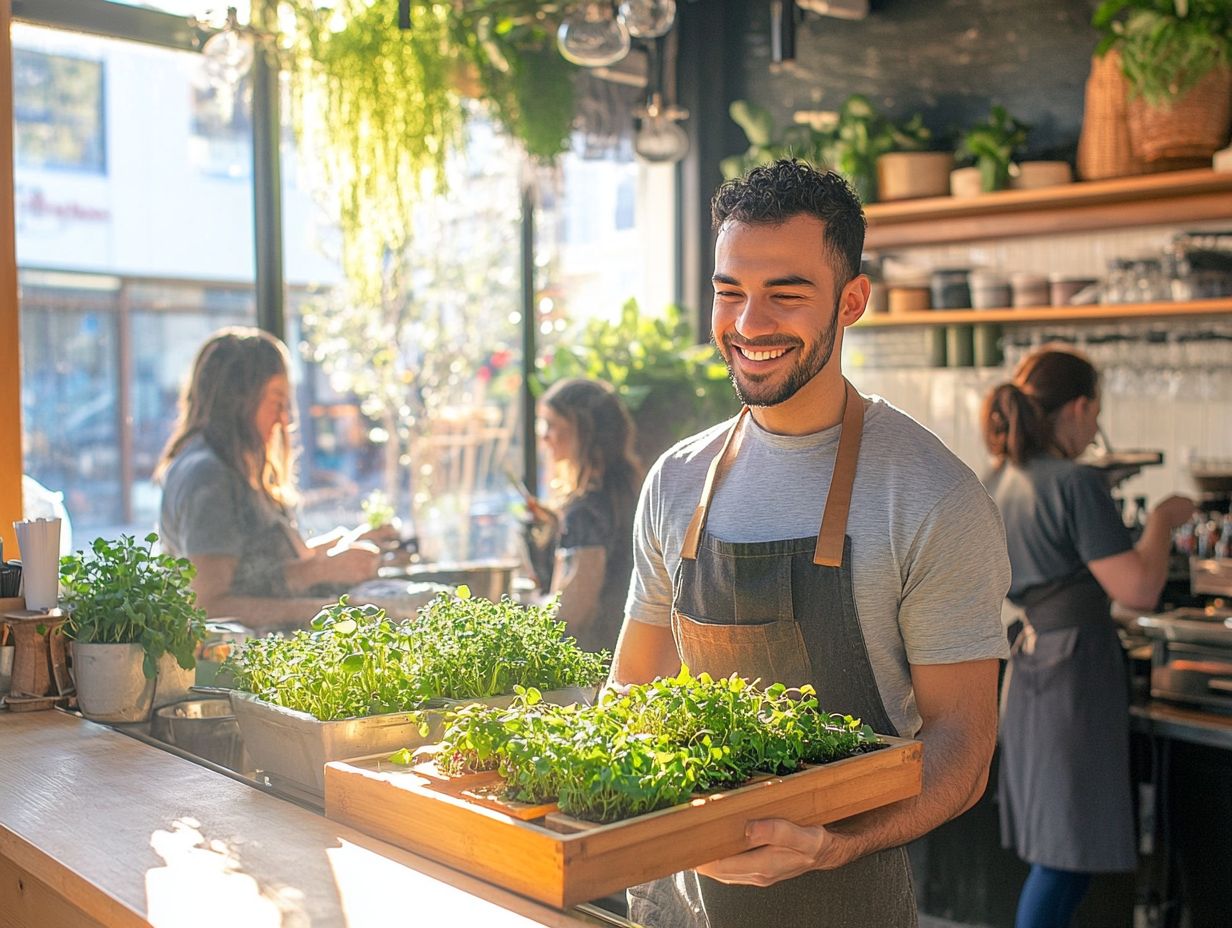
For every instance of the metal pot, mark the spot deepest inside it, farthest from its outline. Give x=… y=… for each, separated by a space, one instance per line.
x=205 y=727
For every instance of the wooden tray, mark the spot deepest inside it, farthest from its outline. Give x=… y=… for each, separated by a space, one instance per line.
x=552 y=858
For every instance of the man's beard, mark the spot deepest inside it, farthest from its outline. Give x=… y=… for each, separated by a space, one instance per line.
x=762 y=393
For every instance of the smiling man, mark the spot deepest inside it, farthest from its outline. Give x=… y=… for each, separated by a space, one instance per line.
x=820 y=537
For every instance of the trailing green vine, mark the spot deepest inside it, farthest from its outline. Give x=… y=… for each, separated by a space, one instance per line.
x=375 y=106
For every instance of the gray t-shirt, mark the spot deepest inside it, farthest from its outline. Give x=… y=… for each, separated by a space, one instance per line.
x=928 y=551
x=208 y=508
x=1059 y=516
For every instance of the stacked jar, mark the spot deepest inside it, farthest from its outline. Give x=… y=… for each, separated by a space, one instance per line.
x=1028 y=289
x=951 y=289
x=990 y=289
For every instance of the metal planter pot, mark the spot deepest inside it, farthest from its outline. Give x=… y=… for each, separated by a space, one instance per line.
x=292 y=748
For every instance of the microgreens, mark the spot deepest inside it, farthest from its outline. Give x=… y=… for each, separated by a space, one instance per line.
x=649 y=748
x=354 y=661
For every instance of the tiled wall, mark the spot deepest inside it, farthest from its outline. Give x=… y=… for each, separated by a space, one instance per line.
x=1164 y=388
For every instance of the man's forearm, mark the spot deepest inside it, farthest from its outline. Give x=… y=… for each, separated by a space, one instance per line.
x=956 y=757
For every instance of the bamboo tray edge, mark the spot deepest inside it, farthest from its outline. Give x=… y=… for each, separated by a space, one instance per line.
x=415 y=812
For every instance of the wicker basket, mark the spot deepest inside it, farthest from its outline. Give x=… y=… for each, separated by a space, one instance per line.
x=1104 y=149
x=1194 y=126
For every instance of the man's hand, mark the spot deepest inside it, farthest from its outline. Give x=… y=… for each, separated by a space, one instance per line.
x=782 y=851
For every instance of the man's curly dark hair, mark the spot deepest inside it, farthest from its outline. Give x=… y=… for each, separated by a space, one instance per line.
x=774 y=193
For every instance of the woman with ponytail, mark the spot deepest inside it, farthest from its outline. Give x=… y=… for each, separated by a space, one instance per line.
x=1064 y=774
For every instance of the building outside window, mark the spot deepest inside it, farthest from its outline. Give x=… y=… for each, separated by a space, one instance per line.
x=135 y=242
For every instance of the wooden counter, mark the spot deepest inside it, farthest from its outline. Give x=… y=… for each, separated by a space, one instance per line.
x=99 y=829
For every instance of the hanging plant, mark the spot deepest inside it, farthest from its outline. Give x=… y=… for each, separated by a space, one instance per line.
x=525 y=81
x=375 y=106
x=380 y=107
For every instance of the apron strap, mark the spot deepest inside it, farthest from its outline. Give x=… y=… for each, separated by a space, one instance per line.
x=829 y=551
x=693 y=535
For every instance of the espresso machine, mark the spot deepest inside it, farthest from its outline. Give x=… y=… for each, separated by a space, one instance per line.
x=1191 y=654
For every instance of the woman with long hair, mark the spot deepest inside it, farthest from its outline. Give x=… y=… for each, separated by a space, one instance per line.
x=229 y=490
x=589 y=436
x=1064 y=772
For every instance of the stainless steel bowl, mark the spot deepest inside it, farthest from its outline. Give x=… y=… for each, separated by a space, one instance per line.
x=205 y=727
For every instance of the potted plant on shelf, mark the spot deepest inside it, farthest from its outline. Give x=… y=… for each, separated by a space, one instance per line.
x=991 y=146
x=1175 y=55
x=134 y=626
x=908 y=167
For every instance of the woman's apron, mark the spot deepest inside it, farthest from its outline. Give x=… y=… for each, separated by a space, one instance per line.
x=781 y=611
x=1064 y=780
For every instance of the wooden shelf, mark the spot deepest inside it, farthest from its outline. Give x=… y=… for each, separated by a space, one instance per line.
x=1176 y=197
x=1058 y=314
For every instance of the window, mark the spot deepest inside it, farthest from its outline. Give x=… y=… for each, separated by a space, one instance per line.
x=58 y=112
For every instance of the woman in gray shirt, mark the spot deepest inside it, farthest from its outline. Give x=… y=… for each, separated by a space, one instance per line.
x=1064 y=775
x=228 y=490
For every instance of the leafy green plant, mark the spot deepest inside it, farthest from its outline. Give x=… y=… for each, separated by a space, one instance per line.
x=525 y=80
x=672 y=385
x=862 y=135
x=796 y=141
x=355 y=662
x=123 y=593
x=850 y=145
x=472 y=648
x=380 y=107
x=649 y=748
x=1166 y=46
x=377 y=509
x=351 y=662
x=991 y=145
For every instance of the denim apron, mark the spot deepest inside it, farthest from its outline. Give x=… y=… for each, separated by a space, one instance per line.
x=782 y=612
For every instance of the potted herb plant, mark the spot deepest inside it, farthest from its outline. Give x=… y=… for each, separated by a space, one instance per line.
x=357 y=683
x=991 y=146
x=134 y=625
x=1176 y=57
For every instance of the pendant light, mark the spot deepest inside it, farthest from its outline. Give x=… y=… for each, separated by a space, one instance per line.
x=592 y=37
x=659 y=138
x=648 y=19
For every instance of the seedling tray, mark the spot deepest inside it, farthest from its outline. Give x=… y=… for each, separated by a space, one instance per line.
x=541 y=853
x=293 y=747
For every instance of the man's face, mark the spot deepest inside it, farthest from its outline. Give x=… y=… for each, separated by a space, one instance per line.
x=775 y=311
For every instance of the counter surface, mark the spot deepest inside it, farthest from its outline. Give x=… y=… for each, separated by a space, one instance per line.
x=1183 y=723
x=99 y=829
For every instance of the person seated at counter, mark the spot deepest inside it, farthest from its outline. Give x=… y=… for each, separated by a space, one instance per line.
x=587 y=527
x=229 y=491
x=1064 y=784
